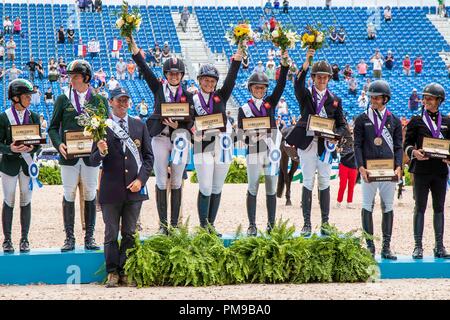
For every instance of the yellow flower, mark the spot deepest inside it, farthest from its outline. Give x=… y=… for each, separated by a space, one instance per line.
x=305 y=37
x=238 y=32
x=130 y=19
x=311 y=38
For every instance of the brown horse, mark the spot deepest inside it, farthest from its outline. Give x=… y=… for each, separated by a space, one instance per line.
x=285 y=176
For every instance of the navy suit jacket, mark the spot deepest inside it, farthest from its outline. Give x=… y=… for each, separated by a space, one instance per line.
x=120 y=168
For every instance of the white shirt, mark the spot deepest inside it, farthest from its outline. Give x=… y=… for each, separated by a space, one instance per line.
x=117 y=119
x=377 y=63
x=93 y=46
x=112 y=84
x=363 y=102
x=257 y=103
x=21 y=115
x=82 y=97
x=382 y=112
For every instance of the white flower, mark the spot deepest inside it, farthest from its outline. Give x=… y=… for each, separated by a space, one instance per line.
x=119 y=23
x=109 y=122
x=275 y=34
x=319 y=37
x=86 y=133
x=95 y=123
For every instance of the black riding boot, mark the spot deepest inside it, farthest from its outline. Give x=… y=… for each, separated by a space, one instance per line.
x=418 y=221
x=161 y=205
x=175 y=206
x=324 y=200
x=90 y=212
x=203 y=209
x=387 y=221
x=7 y=219
x=214 y=203
x=25 y=220
x=306 y=207
x=271 y=203
x=367 y=224
x=69 y=221
x=251 y=213
x=439 y=250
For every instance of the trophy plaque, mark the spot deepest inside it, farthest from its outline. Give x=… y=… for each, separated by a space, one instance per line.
x=27 y=134
x=255 y=123
x=436 y=148
x=175 y=111
x=209 y=122
x=322 y=127
x=78 y=145
x=381 y=170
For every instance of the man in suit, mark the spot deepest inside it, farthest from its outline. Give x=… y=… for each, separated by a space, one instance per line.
x=315 y=153
x=126 y=158
x=378 y=135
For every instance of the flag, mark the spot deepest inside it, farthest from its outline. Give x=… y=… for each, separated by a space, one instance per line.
x=80 y=50
x=115 y=45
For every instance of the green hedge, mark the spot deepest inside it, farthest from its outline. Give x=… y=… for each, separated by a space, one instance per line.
x=50 y=175
x=201 y=259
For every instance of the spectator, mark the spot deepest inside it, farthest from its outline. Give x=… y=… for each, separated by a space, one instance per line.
x=292 y=70
x=157 y=54
x=230 y=119
x=101 y=75
x=2 y=73
x=262 y=23
x=259 y=68
x=282 y=107
x=366 y=85
x=8 y=25
x=348 y=72
x=80 y=49
x=62 y=70
x=352 y=86
x=414 y=101
x=93 y=48
x=82 y=5
x=341 y=35
x=270 y=70
x=348 y=171
x=43 y=124
x=131 y=68
x=407 y=65
x=36 y=96
x=389 y=63
x=103 y=93
x=121 y=68
x=17 y=26
x=377 y=65
x=285 y=6
x=70 y=35
x=333 y=34
x=245 y=63
x=362 y=68
x=96 y=83
x=31 y=68
x=52 y=70
x=61 y=35
x=184 y=18
x=371 y=31
x=268 y=8
x=276 y=6
x=48 y=97
x=11 y=49
x=192 y=89
x=272 y=23
x=2 y=52
x=327 y=4
x=335 y=69
x=13 y=72
x=271 y=53
x=40 y=69
x=165 y=52
x=418 y=65
x=387 y=14
x=115 y=46
x=98 y=6
x=448 y=69
x=113 y=83
x=90 y=5
x=363 y=101
x=142 y=109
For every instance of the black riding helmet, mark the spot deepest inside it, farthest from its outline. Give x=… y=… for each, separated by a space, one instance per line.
x=321 y=67
x=257 y=78
x=379 y=88
x=18 y=87
x=435 y=90
x=80 y=67
x=174 y=65
x=208 y=70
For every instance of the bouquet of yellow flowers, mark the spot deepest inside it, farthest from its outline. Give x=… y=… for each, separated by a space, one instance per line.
x=313 y=38
x=240 y=33
x=94 y=122
x=128 y=22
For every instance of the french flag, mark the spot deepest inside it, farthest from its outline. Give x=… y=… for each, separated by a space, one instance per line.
x=115 y=45
x=80 y=50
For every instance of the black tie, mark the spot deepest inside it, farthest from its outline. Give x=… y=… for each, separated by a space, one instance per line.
x=378 y=114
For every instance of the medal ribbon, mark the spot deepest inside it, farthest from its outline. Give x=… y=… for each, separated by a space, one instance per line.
x=26 y=117
x=434 y=132
x=177 y=97
x=256 y=112
x=208 y=108
x=77 y=99
x=319 y=105
x=379 y=129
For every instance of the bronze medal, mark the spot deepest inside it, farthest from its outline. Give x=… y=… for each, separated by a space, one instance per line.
x=378 y=141
x=137 y=142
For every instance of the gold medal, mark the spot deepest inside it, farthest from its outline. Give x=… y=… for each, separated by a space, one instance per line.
x=378 y=141
x=137 y=142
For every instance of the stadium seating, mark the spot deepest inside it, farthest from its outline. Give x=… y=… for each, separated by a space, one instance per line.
x=410 y=32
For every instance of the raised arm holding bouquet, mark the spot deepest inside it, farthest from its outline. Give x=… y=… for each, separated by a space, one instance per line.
x=313 y=38
x=128 y=22
x=283 y=38
x=241 y=35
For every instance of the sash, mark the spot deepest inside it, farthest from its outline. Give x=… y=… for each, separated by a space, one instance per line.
x=385 y=134
x=274 y=153
x=247 y=111
x=33 y=169
x=198 y=105
x=180 y=149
